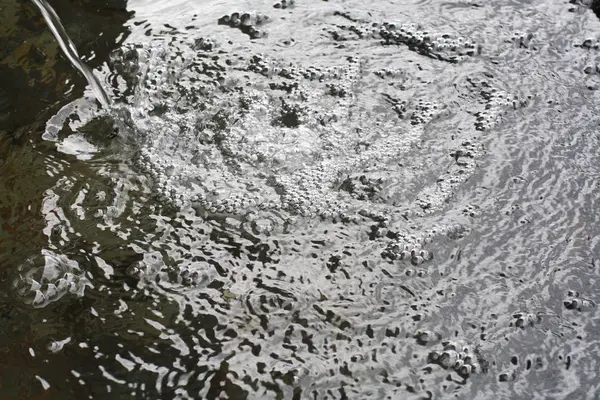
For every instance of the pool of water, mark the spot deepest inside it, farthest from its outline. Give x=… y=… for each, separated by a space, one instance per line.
x=309 y=199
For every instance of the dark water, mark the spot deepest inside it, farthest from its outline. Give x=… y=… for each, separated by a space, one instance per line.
x=314 y=200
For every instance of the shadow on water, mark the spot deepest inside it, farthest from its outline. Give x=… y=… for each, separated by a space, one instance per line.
x=37 y=80
x=37 y=76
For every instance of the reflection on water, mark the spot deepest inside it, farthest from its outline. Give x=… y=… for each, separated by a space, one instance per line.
x=392 y=202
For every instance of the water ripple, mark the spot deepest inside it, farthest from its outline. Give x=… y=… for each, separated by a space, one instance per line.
x=398 y=203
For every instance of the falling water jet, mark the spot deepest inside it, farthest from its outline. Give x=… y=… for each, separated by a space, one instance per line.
x=70 y=51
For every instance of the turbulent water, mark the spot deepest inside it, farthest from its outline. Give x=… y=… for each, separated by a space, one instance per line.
x=315 y=199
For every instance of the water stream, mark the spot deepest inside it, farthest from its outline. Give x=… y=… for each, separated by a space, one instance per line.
x=70 y=51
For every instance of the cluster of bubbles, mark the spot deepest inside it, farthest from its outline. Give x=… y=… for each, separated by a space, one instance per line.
x=364 y=187
x=497 y=102
x=283 y=4
x=234 y=203
x=441 y=46
x=460 y=357
x=424 y=112
x=308 y=191
x=414 y=248
x=360 y=29
x=391 y=73
x=592 y=44
x=574 y=301
x=525 y=319
x=245 y=22
x=471 y=210
x=493 y=104
x=293 y=137
x=210 y=139
x=269 y=68
x=46 y=278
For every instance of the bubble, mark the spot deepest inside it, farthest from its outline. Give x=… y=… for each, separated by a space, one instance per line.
x=135 y=270
x=52 y=294
x=39 y=299
x=448 y=358
x=75 y=287
x=459 y=357
x=426 y=254
x=425 y=337
x=417 y=260
x=465 y=370
x=246 y=22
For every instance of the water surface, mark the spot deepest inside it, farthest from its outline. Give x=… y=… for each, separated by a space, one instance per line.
x=313 y=200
